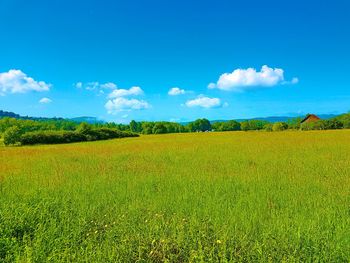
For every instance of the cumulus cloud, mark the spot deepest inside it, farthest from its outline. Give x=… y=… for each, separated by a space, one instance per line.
x=79 y=85
x=16 y=81
x=45 y=101
x=95 y=85
x=294 y=81
x=176 y=91
x=117 y=99
x=133 y=91
x=108 y=85
x=242 y=79
x=124 y=104
x=204 y=102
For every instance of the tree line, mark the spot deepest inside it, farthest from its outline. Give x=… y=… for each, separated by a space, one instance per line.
x=27 y=131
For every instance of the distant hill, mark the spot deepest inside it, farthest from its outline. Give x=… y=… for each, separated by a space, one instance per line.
x=273 y=118
x=4 y=114
x=87 y=119
x=93 y=120
x=9 y=114
x=286 y=118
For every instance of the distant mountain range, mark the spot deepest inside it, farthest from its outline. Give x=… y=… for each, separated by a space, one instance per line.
x=279 y=118
x=93 y=120
x=87 y=119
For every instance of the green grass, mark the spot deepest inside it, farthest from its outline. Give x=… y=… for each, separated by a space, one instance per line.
x=208 y=197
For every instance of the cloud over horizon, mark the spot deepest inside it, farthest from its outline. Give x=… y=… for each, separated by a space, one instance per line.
x=118 y=101
x=16 y=81
x=133 y=91
x=176 y=91
x=244 y=79
x=45 y=101
x=205 y=102
x=124 y=104
x=95 y=85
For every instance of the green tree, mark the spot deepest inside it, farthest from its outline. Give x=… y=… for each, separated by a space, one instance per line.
x=159 y=128
x=12 y=135
x=333 y=124
x=147 y=127
x=133 y=126
x=245 y=126
x=200 y=125
x=231 y=126
x=279 y=126
x=252 y=125
x=294 y=123
x=84 y=128
x=268 y=127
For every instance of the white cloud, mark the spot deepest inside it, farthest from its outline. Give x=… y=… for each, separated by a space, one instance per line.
x=45 y=101
x=92 y=86
x=176 y=91
x=109 y=85
x=295 y=81
x=95 y=85
x=242 y=79
x=79 y=85
x=133 y=91
x=117 y=100
x=123 y=104
x=15 y=81
x=204 y=102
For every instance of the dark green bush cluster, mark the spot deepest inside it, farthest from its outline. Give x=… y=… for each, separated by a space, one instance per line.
x=51 y=137
x=253 y=125
x=331 y=124
x=12 y=136
x=107 y=133
x=227 y=126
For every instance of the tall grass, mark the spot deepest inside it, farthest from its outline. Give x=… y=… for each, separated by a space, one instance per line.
x=210 y=197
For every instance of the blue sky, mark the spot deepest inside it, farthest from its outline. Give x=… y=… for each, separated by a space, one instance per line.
x=119 y=60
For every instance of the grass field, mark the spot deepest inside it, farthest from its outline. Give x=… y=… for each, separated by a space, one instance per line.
x=206 y=197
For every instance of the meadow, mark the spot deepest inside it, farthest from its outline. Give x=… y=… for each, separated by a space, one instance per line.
x=195 y=197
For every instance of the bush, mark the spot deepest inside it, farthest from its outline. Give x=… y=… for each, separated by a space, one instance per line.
x=83 y=128
x=51 y=137
x=231 y=125
x=333 y=124
x=107 y=133
x=12 y=135
x=279 y=126
x=159 y=128
x=56 y=137
x=252 y=125
x=268 y=127
x=317 y=125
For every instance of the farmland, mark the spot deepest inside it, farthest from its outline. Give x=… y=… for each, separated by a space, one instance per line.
x=196 y=197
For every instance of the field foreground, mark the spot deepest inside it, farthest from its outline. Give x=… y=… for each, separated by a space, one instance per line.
x=208 y=197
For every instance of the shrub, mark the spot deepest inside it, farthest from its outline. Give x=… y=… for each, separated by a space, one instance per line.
x=108 y=133
x=12 y=135
x=317 y=125
x=51 y=137
x=231 y=126
x=83 y=128
x=56 y=137
x=333 y=124
x=252 y=125
x=268 y=127
x=159 y=128
x=279 y=126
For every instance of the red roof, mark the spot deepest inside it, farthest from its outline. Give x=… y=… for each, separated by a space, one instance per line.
x=310 y=118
